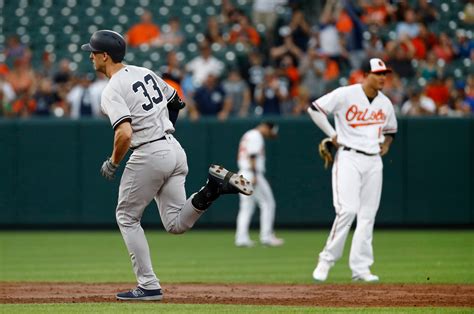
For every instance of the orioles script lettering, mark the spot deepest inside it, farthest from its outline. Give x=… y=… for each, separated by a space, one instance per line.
x=365 y=117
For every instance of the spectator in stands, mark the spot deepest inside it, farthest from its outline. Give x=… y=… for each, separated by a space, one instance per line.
x=243 y=32
x=95 y=90
x=173 y=74
x=80 y=99
x=469 y=12
x=394 y=90
x=144 y=33
x=214 y=32
x=172 y=71
x=459 y=108
x=344 y=23
x=423 y=42
x=428 y=37
x=430 y=68
x=171 y=34
x=204 y=65
x=438 y=91
x=15 y=50
x=300 y=29
x=312 y=68
x=237 y=94
x=302 y=101
x=188 y=90
x=356 y=76
x=408 y=26
x=227 y=12
x=45 y=98
x=289 y=71
x=8 y=93
x=270 y=94
x=255 y=72
x=455 y=107
x=426 y=12
x=355 y=38
x=377 y=12
x=7 y=96
x=464 y=46
x=469 y=92
x=64 y=74
x=47 y=66
x=330 y=42
x=401 y=7
x=63 y=82
x=287 y=47
x=400 y=54
x=21 y=77
x=209 y=99
x=265 y=13
x=444 y=49
x=4 y=106
x=25 y=105
x=374 y=47
x=418 y=104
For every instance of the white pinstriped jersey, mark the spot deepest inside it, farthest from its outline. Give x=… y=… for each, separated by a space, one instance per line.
x=252 y=143
x=360 y=124
x=138 y=94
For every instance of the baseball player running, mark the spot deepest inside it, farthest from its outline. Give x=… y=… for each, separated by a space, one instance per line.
x=365 y=128
x=251 y=161
x=142 y=109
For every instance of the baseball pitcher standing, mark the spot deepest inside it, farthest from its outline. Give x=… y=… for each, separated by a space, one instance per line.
x=251 y=160
x=365 y=128
x=142 y=109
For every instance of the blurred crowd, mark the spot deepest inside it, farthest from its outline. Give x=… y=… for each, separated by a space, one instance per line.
x=288 y=61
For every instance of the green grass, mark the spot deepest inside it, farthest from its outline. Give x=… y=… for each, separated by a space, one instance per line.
x=209 y=256
x=203 y=308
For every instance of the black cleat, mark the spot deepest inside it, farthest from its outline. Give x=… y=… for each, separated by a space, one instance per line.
x=228 y=182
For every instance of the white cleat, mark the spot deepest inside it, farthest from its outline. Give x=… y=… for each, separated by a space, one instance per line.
x=248 y=243
x=366 y=278
x=321 y=271
x=273 y=242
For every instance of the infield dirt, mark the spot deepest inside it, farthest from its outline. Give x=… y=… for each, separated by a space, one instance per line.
x=330 y=295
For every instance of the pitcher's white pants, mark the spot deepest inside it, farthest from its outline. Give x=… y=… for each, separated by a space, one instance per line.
x=357 y=187
x=263 y=196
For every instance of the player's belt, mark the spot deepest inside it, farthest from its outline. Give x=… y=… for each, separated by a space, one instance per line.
x=158 y=139
x=358 y=151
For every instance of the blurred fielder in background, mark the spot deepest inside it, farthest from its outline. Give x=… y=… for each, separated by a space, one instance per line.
x=251 y=161
x=365 y=128
x=143 y=109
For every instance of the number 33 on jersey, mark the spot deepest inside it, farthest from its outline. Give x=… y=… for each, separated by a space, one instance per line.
x=146 y=103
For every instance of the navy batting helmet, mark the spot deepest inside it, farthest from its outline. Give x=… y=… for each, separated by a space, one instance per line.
x=107 y=41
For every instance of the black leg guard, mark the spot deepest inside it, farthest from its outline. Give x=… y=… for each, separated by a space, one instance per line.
x=204 y=198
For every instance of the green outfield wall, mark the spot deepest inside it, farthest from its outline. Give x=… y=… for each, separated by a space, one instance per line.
x=49 y=172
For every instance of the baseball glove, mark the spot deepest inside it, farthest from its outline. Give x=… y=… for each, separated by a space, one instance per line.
x=327 y=151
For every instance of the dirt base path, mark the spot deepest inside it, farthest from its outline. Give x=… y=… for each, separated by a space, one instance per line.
x=330 y=295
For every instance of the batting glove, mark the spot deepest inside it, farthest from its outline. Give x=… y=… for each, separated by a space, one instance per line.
x=108 y=169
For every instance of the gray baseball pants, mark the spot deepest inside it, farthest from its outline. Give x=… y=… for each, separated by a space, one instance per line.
x=154 y=171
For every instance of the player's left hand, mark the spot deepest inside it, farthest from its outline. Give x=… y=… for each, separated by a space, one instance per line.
x=108 y=169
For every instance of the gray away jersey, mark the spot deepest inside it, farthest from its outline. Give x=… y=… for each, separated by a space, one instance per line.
x=138 y=94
